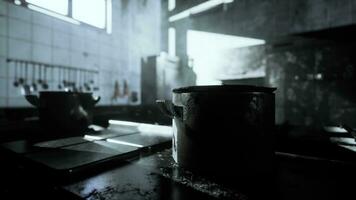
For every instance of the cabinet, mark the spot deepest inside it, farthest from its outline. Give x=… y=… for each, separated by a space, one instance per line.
x=159 y=75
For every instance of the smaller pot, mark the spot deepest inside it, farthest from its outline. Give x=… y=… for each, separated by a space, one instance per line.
x=64 y=111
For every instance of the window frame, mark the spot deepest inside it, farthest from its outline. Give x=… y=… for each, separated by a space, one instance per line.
x=69 y=15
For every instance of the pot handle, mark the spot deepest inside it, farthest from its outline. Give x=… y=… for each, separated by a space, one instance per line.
x=169 y=109
x=33 y=100
x=349 y=130
x=96 y=99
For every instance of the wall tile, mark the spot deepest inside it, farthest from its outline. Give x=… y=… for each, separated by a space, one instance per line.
x=3 y=47
x=3 y=87
x=77 y=43
x=11 y=70
x=3 y=102
x=61 y=25
x=60 y=39
x=105 y=51
x=42 y=19
x=105 y=39
x=92 y=61
x=3 y=26
x=42 y=53
x=91 y=46
x=77 y=59
x=19 y=29
x=20 y=49
x=3 y=67
x=92 y=34
x=106 y=64
x=61 y=56
x=77 y=31
x=19 y=12
x=42 y=34
x=3 y=8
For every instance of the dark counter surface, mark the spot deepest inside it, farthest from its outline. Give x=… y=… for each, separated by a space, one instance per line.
x=304 y=169
x=158 y=177
x=151 y=177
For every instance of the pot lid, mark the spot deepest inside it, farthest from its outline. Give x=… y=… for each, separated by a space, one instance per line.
x=224 y=88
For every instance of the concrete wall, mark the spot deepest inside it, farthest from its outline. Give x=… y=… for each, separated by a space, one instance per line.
x=316 y=83
x=266 y=18
x=29 y=35
x=300 y=100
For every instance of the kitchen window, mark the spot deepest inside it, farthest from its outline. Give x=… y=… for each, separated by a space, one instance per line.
x=95 y=13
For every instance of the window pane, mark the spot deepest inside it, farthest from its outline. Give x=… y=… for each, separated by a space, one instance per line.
x=90 y=11
x=59 y=6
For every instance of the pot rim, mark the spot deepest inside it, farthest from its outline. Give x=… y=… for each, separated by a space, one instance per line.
x=225 y=88
x=63 y=92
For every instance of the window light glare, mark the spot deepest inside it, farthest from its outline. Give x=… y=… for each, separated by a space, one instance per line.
x=124 y=143
x=108 y=16
x=17 y=2
x=58 y=6
x=171 y=5
x=198 y=9
x=90 y=12
x=53 y=14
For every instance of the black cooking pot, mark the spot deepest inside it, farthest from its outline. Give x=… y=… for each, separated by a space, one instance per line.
x=222 y=130
x=64 y=111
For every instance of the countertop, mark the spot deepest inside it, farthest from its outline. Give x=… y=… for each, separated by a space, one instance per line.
x=154 y=175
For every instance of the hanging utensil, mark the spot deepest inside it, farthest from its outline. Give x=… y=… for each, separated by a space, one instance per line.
x=64 y=78
x=34 y=85
x=16 y=81
x=88 y=81
x=51 y=79
x=26 y=86
x=350 y=130
x=75 y=89
x=91 y=78
x=59 y=78
x=21 y=79
x=85 y=81
x=70 y=79
x=126 y=88
x=44 y=80
x=79 y=80
x=39 y=81
x=96 y=77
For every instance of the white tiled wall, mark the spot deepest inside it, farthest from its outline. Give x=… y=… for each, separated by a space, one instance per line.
x=19 y=49
x=29 y=35
x=3 y=67
x=42 y=34
x=3 y=25
x=3 y=44
x=19 y=29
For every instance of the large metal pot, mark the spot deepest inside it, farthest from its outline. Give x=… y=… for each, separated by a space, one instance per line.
x=64 y=111
x=222 y=130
